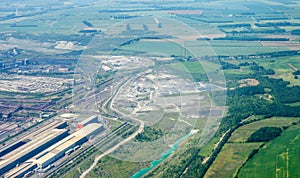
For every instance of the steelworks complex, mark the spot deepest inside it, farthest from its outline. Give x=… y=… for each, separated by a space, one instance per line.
x=44 y=146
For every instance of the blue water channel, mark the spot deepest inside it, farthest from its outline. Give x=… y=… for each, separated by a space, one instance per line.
x=154 y=163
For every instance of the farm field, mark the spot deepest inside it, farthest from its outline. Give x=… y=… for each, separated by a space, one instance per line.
x=241 y=134
x=278 y=158
x=231 y=157
x=192 y=67
x=202 y=48
x=161 y=48
x=236 y=151
x=232 y=51
x=281 y=68
x=231 y=48
x=279 y=65
x=197 y=71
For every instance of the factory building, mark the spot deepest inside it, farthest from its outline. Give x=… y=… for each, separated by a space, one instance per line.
x=92 y=119
x=45 y=146
x=15 y=153
x=21 y=170
x=31 y=148
x=59 y=149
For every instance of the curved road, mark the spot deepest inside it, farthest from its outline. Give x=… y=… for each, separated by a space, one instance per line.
x=141 y=128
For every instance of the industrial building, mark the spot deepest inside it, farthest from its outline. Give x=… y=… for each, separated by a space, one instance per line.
x=31 y=148
x=59 y=149
x=44 y=146
x=32 y=144
x=92 y=119
x=21 y=170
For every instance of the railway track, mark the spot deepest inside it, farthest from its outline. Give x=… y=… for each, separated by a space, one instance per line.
x=85 y=150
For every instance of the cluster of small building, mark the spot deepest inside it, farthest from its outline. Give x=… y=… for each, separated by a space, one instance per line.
x=6 y=111
x=10 y=107
x=32 y=84
x=9 y=62
x=43 y=147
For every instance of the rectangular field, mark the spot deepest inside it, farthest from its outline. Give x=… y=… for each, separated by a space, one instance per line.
x=278 y=158
x=230 y=159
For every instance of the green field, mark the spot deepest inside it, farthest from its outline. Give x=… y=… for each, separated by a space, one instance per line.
x=163 y=48
x=231 y=157
x=236 y=151
x=111 y=167
x=279 y=65
x=243 y=133
x=208 y=148
x=60 y=21
x=242 y=70
x=198 y=71
x=231 y=51
x=190 y=67
x=282 y=70
x=229 y=48
x=201 y=48
x=278 y=158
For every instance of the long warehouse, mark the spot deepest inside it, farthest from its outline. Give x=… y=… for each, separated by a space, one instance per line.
x=59 y=149
x=31 y=148
x=46 y=145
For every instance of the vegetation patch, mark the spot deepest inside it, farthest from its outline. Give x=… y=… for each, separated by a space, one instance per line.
x=111 y=167
x=265 y=134
x=149 y=134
